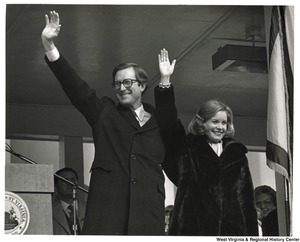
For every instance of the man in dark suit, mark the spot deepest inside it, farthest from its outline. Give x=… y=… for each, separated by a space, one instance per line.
x=63 y=204
x=126 y=192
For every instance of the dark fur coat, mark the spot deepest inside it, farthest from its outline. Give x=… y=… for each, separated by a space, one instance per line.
x=214 y=194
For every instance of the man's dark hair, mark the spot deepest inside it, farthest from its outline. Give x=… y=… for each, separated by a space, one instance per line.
x=140 y=73
x=63 y=170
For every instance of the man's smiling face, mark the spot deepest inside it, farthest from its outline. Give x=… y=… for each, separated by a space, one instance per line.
x=129 y=97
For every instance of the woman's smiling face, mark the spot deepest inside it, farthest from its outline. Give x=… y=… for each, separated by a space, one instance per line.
x=216 y=127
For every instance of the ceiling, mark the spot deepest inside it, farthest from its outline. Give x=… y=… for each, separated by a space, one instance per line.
x=95 y=38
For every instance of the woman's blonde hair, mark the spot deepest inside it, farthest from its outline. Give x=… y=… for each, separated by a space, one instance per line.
x=205 y=112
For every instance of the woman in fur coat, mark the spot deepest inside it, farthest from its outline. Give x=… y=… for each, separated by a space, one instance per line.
x=215 y=194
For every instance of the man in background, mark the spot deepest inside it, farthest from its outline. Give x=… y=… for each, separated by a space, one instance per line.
x=265 y=202
x=63 y=204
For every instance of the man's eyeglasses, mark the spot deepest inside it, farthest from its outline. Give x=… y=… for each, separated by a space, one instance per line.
x=266 y=203
x=127 y=83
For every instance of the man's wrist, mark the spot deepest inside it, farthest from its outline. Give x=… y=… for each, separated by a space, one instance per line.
x=48 y=44
x=52 y=55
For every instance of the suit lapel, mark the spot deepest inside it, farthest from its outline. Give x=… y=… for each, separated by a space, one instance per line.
x=81 y=213
x=128 y=115
x=59 y=215
x=151 y=123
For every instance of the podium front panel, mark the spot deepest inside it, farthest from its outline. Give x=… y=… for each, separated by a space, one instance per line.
x=34 y=184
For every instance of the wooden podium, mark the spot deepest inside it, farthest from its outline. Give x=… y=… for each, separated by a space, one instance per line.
x=34 y=184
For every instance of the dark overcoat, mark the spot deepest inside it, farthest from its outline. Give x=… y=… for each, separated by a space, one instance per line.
x=270 y=224
x=214 y=194
x=126 y=192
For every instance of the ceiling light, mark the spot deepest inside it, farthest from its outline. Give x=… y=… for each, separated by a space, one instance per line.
x=240 y=58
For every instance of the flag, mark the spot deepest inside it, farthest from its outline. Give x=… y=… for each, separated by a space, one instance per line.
x=279 y=149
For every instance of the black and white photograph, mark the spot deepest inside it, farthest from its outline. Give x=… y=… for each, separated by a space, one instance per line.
x=131 y=120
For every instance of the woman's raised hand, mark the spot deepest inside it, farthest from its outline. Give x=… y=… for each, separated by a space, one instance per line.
x=165 y=67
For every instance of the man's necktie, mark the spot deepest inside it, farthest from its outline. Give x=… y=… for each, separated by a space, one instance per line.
x=71 y=217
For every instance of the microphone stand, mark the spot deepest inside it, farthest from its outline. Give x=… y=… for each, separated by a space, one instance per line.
x=75 y=227
x=74 y=185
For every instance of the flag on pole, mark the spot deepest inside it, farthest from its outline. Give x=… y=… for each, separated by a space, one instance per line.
x=279 y=148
